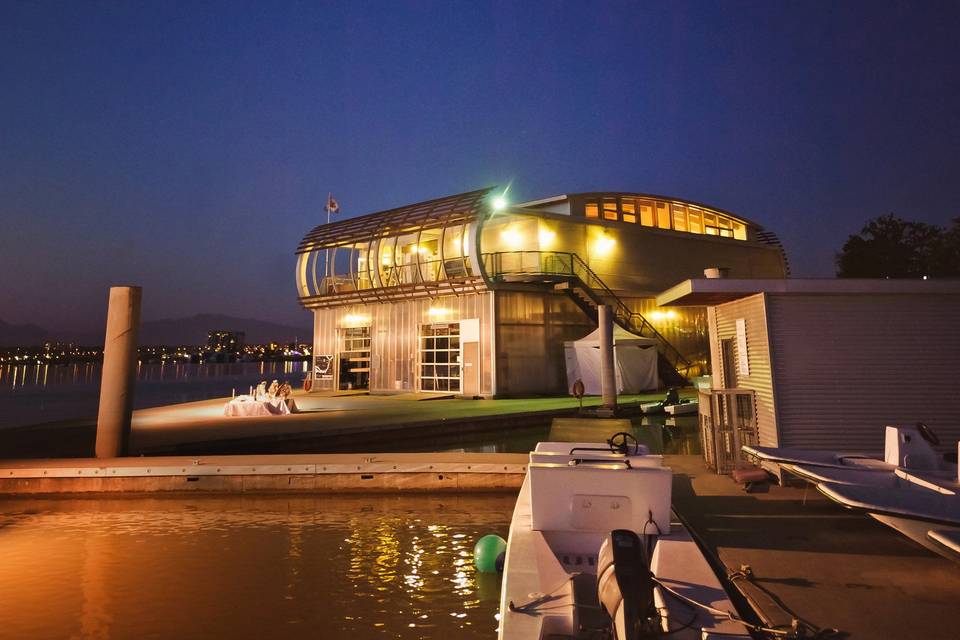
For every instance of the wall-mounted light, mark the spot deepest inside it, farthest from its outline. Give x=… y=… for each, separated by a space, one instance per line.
x=437 y=312
x=603 y=244
x=355 y=320
x=658 y=315
x=546 y=237
x=512 y=238
x=499 y=203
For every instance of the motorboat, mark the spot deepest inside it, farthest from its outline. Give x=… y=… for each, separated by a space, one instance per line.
x=682 y=408
x=595 y=551
x=671 y=404
x=910 y=489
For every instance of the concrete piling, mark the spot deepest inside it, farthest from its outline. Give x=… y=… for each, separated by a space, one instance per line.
x=608 y=378
x=117 y=381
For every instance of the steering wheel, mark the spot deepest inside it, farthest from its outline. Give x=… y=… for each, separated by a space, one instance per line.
x=927 y=434
x=620 y=443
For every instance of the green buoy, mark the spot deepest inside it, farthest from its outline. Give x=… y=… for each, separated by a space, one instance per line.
x=486 y=553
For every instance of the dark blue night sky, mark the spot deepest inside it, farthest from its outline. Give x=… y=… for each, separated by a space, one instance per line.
x=189 y=147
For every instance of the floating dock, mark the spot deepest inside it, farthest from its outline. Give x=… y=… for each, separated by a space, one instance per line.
x=339 y=473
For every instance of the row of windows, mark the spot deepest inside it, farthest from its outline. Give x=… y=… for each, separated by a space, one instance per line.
x=666 y=215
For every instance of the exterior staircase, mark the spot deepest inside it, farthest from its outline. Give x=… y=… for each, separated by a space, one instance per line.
x=568 y=273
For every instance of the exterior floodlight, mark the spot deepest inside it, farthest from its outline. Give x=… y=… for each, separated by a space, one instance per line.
x=499 y=203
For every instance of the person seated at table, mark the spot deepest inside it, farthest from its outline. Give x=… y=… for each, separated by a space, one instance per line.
x=274 y=387
x=261 y=391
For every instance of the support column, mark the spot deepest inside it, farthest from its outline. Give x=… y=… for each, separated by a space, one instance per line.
x=117 y=381
x=608 y=377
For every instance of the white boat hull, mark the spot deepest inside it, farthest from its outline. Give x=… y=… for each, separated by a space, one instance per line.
x=550 y=573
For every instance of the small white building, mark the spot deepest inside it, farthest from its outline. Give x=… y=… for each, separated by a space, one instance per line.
x=833 y=361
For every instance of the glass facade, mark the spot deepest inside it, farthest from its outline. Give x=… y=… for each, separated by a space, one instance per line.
x=423 y=249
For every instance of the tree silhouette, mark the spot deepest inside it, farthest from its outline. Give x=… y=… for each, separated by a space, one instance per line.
x=890 y=247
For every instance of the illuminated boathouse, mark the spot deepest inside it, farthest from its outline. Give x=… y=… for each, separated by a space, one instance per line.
x=469 y=296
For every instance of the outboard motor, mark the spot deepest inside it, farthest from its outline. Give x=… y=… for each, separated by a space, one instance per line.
x=673 y=396
x=624 y=581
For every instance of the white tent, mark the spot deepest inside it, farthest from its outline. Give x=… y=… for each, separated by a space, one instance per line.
x=635 y=361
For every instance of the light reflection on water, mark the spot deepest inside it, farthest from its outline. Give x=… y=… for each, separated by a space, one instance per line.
x=248 y=567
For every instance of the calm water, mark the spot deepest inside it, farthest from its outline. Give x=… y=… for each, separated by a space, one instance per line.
x=33 y=394
x=248 y=567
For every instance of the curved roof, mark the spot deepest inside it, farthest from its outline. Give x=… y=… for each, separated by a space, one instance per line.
x=430 y=214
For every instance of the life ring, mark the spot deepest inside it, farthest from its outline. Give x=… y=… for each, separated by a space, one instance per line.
x=307 y=384
x=927 y=434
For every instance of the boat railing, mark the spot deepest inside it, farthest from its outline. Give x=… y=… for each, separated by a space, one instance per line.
x=728 y=421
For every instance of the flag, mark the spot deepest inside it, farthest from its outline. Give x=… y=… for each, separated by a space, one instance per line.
x=332 y=206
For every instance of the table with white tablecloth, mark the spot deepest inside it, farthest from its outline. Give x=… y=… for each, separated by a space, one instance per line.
x=248 y=406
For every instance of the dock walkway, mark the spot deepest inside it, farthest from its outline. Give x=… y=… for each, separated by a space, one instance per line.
x=325 y=422
x=293 y=473
x=834 y=568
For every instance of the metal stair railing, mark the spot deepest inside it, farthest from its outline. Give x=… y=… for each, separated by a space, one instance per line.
x=568 y=264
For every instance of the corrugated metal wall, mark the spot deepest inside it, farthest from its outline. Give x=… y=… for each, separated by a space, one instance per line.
x=531 y=330
x=683 y=327
x=395 y=330
x=760 y=379
x=846 y=366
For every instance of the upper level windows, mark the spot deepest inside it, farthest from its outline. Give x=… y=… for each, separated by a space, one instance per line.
x=665 y=215
x=609 y=208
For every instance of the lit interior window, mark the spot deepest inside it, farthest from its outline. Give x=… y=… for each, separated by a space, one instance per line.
x=629 y=208
x=723 y=223
x=591 y=210
x=646 y=213
x=739 y=231
x=609 y=209
x=694 y=220
x=663 y=216
x=710 y=224
x=679 y=217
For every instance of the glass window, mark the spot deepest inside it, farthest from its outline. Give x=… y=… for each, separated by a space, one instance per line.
x=723 y=223
x=609 y=209
x=629 y=208
x=679 y=217
x=591 y=210
x=440 y=357
x=694 y=220
x=710 y=223
x=663 y=215
x=739 y=231
x=646 y=213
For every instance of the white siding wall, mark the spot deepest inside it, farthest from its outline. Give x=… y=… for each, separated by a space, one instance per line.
x=752 y=310
x=847 y=365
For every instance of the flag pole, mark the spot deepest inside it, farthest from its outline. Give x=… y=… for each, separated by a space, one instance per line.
x=326 y=257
